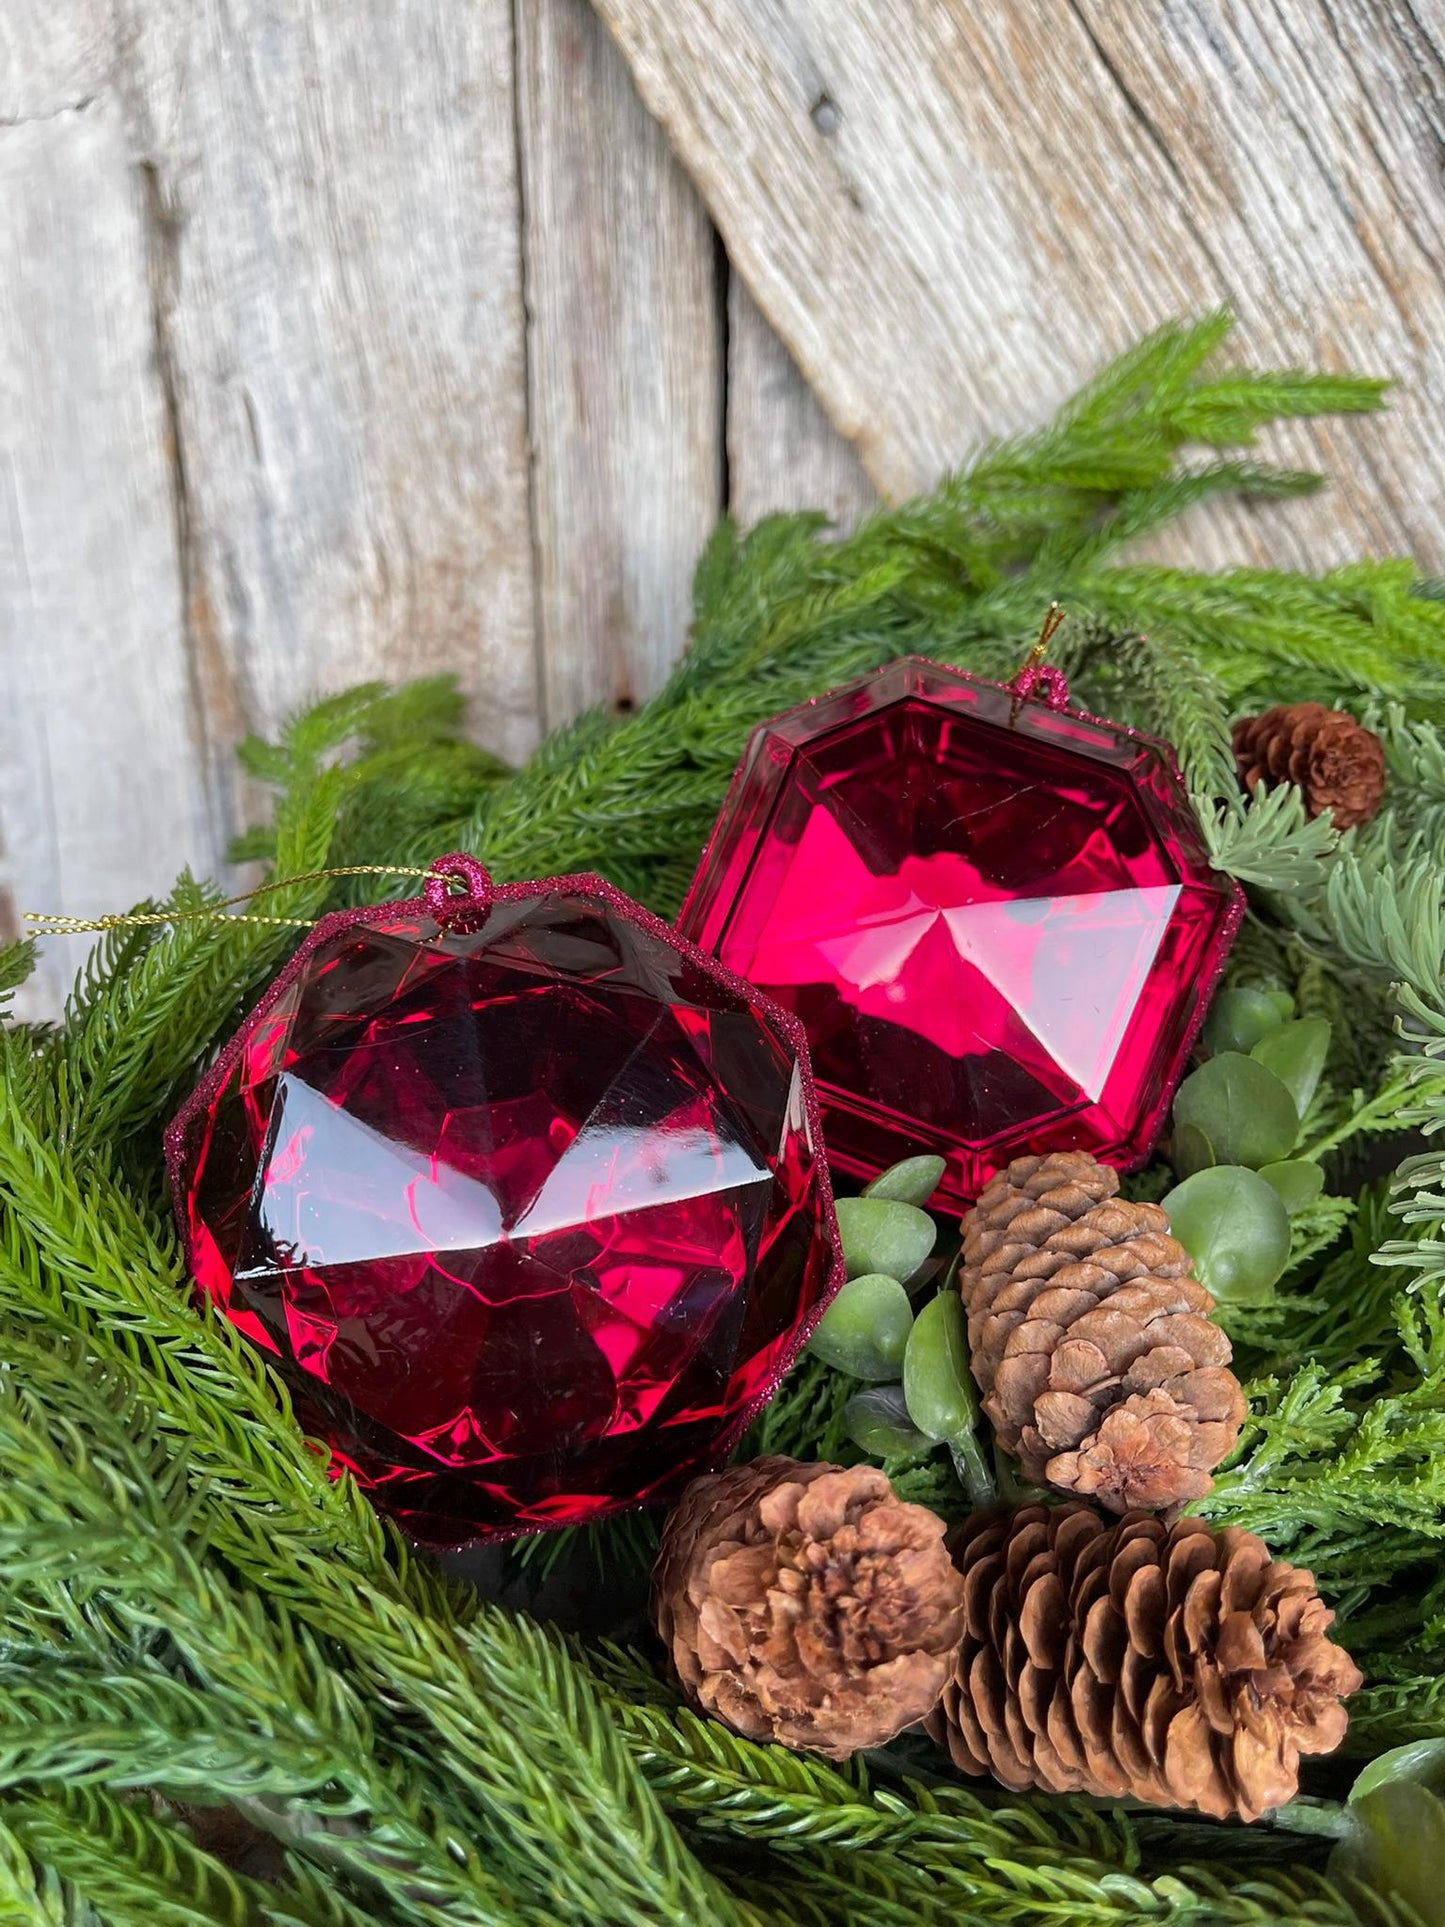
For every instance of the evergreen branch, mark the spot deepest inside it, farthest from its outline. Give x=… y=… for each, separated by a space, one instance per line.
x=77 y=1722
x=17 y=960
x=274 y=1494
x=32 y=1896
x=1151 y=681
x=1270 y=842
x=1335 y=1461
x=92 y=1501
x=805 y=1417
x=138 y=1871
x=940 y=1850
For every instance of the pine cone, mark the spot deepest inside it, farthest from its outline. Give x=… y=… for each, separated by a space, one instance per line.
x=806 y=1604
x=1091 y=1341
x=1336 y=763
x=1175 y=1664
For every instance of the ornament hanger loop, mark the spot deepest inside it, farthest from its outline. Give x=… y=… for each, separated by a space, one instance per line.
x=439 y=894
x=1042 y=682
x=1038 y=680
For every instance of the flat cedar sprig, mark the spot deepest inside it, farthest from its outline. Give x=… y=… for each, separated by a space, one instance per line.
x=190 y=1605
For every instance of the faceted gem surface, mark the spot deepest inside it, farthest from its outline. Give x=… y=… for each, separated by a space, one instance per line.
x=997 y=921
x=528 y=1212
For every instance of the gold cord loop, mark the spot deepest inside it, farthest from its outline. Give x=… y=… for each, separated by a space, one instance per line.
x=52 y=926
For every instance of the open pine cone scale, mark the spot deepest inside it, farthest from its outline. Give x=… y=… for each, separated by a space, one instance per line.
x=1176 y=1665
x=1336 y=764
x=807 y=1604
x=1091 y=1338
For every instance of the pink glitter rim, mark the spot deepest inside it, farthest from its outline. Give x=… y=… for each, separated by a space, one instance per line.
x=480 y=894
x=1232 y=917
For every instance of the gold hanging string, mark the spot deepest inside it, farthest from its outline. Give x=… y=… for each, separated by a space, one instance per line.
x=52 y=926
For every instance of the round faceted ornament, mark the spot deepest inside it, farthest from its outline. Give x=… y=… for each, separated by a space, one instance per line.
x=995 y=917
x=522 y=1193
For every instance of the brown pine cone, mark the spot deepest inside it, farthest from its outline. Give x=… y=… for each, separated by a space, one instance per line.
x=1175 y=1664
x=1091 y=1340
x=1336 y=763
x=806 y=1604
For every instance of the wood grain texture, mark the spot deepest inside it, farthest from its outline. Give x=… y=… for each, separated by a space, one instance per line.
x=625 y=366
x=334 y=194
x=953 y=213
x=783 y=452
x=55 y=57
x=103 y=794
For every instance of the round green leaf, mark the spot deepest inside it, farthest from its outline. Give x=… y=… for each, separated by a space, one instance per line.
x=1422 y=1761
x=937 y=1383
x=1241 y=1107
x=878 y=1424
x=1190 y=1150
x=1299 y=1181
x=865 y=1329
x=1396 y=1846
x=913 y=1181
x=879 y=1235
x=1235 y=1228
x=1239 y=1018
x=1296 y=1054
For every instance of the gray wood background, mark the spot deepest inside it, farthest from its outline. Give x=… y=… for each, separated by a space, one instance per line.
x=349 y=338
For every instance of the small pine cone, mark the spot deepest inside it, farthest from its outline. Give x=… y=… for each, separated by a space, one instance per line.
x=1336 y=763
x=1091 y=1338
x=1180 y=1664
x=806 y=1604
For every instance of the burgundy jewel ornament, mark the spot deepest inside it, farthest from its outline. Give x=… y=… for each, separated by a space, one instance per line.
x=994 y=915
x=523 y=1194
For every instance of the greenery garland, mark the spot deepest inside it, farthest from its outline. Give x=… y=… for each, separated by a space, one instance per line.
x=196 y=1616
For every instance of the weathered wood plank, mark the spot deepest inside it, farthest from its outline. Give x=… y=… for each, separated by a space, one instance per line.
x=55 y=56
x=952 y=214
x=783 y=452
x=102 y=784
x=625 y=366
x=334 y=195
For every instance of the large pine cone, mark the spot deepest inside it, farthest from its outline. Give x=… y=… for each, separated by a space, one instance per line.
x=1175 y=1664
x=1091 y=1341
x=1336 y=763
x=806 y=1604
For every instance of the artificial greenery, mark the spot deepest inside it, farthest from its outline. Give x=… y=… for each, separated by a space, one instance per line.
x=198 y=1618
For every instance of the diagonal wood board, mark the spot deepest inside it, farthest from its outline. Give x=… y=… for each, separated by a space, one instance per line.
x=953 y=210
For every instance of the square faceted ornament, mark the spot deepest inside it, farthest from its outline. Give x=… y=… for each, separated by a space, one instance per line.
x=520 y=1193
x=995 y=918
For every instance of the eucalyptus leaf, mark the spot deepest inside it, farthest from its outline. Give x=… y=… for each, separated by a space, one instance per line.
x=1296 y=1054
x=1233 y=1224
x=937 y=1383
x=1239 y=1018
x=1422 y=1761
x=865 y=1330
x=877 y=1422
x=879 y=1235
x=1396 y=1846
x=1242 y=1108
x=1190 y=1150
x=913 y=1181
x=1299 y=1181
